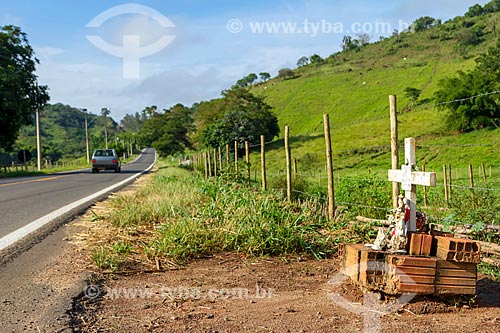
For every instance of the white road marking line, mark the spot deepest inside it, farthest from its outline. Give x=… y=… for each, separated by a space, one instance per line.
x=22 y=232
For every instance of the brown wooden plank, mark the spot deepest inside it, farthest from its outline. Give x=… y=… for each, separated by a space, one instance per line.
x=453 y=281
x=455 y=290
x=398 y=261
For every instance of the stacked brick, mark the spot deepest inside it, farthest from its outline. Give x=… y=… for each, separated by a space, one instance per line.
x=452 y=271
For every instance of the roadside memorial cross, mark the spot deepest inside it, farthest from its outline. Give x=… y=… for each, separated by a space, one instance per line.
x=409 y=179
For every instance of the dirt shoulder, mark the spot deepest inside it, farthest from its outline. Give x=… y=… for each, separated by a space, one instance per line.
x=38 y=286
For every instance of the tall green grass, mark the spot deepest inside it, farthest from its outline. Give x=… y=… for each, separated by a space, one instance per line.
x=192 y=216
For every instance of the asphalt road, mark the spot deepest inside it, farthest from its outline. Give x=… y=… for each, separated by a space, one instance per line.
x=24 y=200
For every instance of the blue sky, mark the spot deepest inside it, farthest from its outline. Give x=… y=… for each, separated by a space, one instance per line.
x=216 y=43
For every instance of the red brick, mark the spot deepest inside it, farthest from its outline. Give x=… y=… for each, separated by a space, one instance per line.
x=424 y=289
x=455 y=290
x=397 y=260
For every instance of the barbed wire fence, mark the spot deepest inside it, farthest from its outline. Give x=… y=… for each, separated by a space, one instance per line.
x=309 y=175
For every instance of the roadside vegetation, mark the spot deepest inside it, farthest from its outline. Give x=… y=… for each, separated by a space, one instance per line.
x=202 y=217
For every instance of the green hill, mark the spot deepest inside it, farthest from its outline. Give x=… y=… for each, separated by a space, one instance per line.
x=63 y=133
x=353 y=88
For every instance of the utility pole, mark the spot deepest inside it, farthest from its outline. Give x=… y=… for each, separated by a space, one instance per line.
x=38 y=139
x=86 y=136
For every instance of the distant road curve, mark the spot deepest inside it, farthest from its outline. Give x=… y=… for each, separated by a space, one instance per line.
x=28 y=206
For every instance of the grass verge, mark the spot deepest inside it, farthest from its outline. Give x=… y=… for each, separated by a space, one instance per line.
x=179 y=216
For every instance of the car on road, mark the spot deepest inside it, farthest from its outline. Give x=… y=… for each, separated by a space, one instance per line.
x=105 y=159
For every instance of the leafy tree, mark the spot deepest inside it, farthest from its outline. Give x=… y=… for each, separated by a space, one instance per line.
x=264 y=76
x=316 y=59
x=286 y=73
x=251 y=78
x=476 y=10
x=247 y=80
x=423 y=23
x=364 y=39
x=469 y=36
x=349 y=44
x=303 y=61
x=19 y=91
x=456 y=94
x=492 y=6
x=412 y=94
x=243 y=117
x=168 y=132
x=131 y=123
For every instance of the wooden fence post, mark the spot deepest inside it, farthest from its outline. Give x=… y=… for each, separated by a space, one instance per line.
x=263 y=161
x=220 y=159
x=288 y=164
x=294 y=168
x=209 y=164
x=471 y=180
x=450 y=182
x=329 y=167
x=483 y=170
x=247 y=160
x=394 y=147
x=215 y=162
x=205 y=166
x=236 y=156
x=227 y=154
x=425 y=189
x=445 y=180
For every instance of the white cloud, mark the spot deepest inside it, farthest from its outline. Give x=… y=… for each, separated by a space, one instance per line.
x=46 y=53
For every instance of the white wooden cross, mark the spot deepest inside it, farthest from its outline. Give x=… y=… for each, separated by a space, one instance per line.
x=410 y=179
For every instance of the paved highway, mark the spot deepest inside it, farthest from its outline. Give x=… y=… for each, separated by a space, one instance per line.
x=27 y=200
